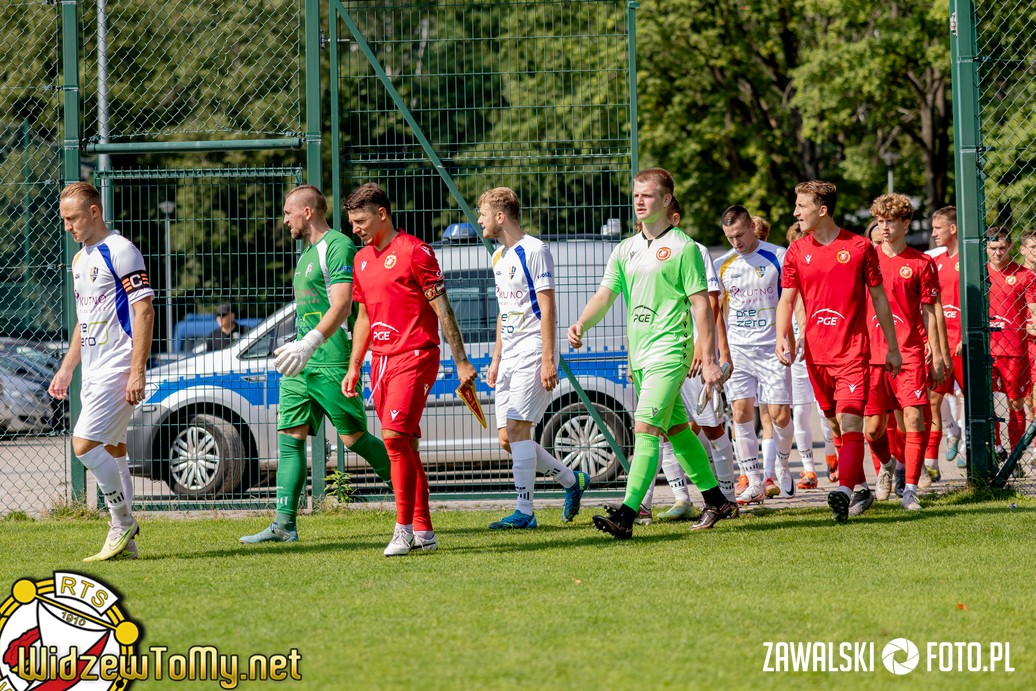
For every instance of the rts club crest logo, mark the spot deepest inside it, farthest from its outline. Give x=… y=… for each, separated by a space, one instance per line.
x=1011 y=280
x=64 y=632
x=842 y=256
x=663 y=253
x=906 y=271
x=390 y=261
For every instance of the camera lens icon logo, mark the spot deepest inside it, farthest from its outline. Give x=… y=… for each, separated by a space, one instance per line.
x=903 y=648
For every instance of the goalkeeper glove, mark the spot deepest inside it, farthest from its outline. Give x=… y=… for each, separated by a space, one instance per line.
x=292 y=357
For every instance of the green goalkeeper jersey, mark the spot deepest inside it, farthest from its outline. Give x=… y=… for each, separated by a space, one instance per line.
x=656 y=278
x=322 y=265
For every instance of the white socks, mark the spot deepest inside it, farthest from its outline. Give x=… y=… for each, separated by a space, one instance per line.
x=523 y=457
x=109 y=480
x=552 y=467
x=748 y=451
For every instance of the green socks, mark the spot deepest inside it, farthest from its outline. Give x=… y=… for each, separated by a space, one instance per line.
x=693 y=459
x=643 y=468
x=371 y=449
x=291 y=478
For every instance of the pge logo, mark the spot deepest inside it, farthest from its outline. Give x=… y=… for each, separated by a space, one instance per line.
x=906 y=650
x=827 y=317
x=64 y=630
x=643 y=315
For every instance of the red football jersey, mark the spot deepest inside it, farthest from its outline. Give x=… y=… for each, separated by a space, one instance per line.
x=910 y=281
x=948 y=269
x=396 y=285
x=1010 y=293
x=833 y=281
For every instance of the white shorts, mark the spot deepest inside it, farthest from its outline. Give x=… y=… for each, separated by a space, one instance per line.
x=758 y=374
x=519 y=390
x=801 y=386
x=689 y=392
x=105 y=415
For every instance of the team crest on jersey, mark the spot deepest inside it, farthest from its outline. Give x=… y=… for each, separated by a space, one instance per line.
x=390 y=261
x=663 y=253
x=842 y=256
x=906 y=271
x=1011 y=280
x=956 y=267
x=760 y=271
x=93 y=274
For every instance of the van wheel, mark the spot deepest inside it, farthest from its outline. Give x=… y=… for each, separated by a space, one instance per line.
x=206 y=459
x=573 y=437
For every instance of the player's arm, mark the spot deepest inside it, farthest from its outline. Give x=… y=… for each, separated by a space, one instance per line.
x=596 y=309
x=711 y=373
x=63 y=377
x=721 y=331
x=143 y=330
x=361 y=341
x=548 y=332
x=785 y=348
x=451 y=332
x=893 y=358
x=935 y=345
x=498 y=353
x=800 y=317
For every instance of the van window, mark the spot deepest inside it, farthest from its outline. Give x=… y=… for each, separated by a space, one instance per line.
x=472 y=293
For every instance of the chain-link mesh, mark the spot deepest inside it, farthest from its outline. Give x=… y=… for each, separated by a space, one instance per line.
x=531 y=95
x=1006 y=52
x=211 y=239
x=33 y=427
x=191 y=67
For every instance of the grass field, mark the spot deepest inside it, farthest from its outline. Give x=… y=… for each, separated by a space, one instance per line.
x=567 y=607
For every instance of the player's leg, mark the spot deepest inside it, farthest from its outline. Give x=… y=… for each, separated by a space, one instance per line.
x=803 y=403
x=1017 y=382
x=776 y=397
x=682 y=508
x=768 y=450
x=748 y=450
x=103 y=421
x=296 y=416
x=712 y=434
x=877 y=433
x=849 y=390
x=118 y=452
x=916 y=442
x=516 y=439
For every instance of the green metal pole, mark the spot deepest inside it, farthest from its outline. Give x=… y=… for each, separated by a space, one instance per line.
x=978 y=399
x=336 y=131
x=631 y=21
x=197 y=146
x=70 y=154
x=314 y=177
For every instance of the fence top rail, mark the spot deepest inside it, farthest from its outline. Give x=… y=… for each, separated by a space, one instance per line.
x=177 y=173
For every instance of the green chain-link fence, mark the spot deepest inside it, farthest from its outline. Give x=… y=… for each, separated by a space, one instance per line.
x=994 y=96
x=34 y=468
x=439 y=102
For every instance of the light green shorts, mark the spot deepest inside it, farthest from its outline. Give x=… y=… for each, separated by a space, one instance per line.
x=309 y=396
x=658 y=395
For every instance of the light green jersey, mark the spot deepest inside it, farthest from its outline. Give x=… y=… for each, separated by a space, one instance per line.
x=656 y=278
x=322 y=265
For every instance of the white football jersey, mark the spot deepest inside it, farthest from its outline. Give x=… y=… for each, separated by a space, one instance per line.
x=711 y=281
x=108 y=278
x=520 y=272
x=750 y=288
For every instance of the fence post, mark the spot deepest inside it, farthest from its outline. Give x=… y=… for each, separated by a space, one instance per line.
x=70 y=149
x=978 y=400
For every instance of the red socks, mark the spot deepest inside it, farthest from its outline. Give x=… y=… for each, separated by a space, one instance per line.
x=850 y=460
x=1015 y=427
x=915 y=448
x=880 y=453
x=409 y=484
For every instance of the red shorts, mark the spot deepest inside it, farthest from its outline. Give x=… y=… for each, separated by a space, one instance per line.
x=400 y=383
x=879 y=392
x=840 y=388
x=957 y=375
x=910 y=387
x=1011 y=375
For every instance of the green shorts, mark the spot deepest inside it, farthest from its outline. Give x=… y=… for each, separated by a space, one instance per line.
x=658 y=395
x=308 y=397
